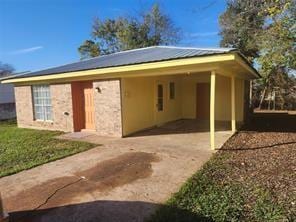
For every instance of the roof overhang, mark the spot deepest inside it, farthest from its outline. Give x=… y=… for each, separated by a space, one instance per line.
x=231 y=63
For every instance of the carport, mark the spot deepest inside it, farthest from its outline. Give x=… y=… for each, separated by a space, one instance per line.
x=197 y=101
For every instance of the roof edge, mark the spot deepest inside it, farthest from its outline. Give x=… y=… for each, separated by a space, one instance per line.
x=200 y=48
x=128 y=68
x=220 y=50
x=244 y=58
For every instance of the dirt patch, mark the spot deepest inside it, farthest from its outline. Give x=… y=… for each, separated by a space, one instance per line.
x=264 y=160
x=105 y=176
x=121 y=170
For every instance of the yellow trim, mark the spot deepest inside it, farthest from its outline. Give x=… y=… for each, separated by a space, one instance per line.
x=233 y=119
x=123 y=70
x=244 y=64
x=212 y=110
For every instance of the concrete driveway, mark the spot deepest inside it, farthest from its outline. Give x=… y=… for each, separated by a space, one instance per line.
x=122 y=180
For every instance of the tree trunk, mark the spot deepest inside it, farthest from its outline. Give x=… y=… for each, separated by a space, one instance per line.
x=251 y=95
x=262 y=97
x=274 y=94
x=269 y=100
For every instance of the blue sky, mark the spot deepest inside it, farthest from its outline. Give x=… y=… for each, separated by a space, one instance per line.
x=36 y=34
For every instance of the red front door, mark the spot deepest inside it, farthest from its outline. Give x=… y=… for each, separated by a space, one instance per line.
x=83 y=105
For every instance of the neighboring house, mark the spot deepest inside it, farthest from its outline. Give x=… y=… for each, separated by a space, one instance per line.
x=7 y=102
x=125 y=92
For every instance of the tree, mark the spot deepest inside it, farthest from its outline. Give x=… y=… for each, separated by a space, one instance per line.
x=277 y=48
x=277 y=40
x=5 y=70
x=265 y=32
x=123 y=33
x=88 y=48
x=240 y=25
x=160 y=28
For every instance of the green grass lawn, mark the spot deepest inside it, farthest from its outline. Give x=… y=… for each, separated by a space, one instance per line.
x=22 y=149
x=251 y=179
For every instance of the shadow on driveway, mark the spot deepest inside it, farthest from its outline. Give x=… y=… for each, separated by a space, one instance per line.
x=106 y=211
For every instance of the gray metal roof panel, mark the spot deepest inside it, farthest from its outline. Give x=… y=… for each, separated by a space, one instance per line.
x=136 y=56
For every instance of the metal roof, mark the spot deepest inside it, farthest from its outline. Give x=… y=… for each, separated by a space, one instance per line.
x=129 y=57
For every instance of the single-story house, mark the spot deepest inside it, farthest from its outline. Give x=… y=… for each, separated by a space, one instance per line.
x=125 y=92
x=7 y=102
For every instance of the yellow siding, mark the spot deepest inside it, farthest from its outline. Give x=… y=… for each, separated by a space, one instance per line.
x=189 y=93
x=223 y=101
x=139 y=103
x=223 y=98
x=139 y=100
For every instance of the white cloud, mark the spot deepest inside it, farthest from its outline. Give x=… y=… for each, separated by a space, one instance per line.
x=27 y=50
x=203 y=34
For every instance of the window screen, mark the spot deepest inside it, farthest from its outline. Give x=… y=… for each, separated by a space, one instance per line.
x=42 y=102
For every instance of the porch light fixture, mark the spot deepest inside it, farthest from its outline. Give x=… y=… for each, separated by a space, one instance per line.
x=98 y=89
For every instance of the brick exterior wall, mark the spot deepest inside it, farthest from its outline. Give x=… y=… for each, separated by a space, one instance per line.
x=7 y=111
x=61 y=100
x=108 y=107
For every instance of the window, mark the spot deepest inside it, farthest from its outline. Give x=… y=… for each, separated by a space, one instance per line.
x=172 y=90
x=159 y=97
x=42 y=102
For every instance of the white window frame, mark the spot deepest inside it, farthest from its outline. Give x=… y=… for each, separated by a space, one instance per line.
x=41 y=99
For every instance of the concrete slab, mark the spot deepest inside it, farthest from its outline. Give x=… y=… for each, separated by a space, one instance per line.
x=123 y=180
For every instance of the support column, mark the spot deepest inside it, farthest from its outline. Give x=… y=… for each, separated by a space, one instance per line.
x=212 y=109
x=233 y=118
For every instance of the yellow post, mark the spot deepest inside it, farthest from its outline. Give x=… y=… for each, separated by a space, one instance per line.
x=233 y=120
x=212 y=109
